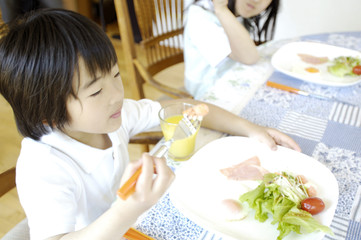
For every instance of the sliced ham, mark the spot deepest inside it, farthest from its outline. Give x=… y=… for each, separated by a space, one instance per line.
x=249 y=169
x=312 y=59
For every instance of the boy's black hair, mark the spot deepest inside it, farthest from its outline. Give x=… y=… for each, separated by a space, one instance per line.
x=39 y=56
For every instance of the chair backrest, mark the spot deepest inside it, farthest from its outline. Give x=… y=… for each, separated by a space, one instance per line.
x=161 y=28
x=21 y=230
x=7 y=181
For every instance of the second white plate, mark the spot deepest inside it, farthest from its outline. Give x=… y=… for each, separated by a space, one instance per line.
x=287 y=61
x=199 y=187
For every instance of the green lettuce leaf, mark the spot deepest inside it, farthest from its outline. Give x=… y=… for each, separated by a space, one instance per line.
x=281 y=208
x=286 y=228
x=251 y=196
x=305 y=220
x=340 y=69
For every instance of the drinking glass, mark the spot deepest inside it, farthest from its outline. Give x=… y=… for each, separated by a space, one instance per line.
x=181 y=149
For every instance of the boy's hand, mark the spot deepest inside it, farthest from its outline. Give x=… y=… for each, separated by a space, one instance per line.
x=273 y=137
x=149 y=188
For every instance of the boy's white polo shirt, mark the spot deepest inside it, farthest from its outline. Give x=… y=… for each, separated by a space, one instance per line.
x=65 y=185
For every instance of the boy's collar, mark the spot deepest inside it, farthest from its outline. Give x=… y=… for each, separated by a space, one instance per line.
x=87 y=157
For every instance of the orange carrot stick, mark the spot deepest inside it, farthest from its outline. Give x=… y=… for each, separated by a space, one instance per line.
x=133 y=234
x=282 y=87
x=129 y=186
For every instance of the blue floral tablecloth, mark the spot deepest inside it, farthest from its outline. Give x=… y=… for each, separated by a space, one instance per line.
x=329 y=131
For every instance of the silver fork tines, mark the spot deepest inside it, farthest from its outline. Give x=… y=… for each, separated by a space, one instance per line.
x=190 y=124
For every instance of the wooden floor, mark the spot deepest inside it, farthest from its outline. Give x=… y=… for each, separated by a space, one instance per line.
x=11 y=211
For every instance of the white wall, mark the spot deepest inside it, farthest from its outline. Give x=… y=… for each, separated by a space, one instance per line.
x=302 y=17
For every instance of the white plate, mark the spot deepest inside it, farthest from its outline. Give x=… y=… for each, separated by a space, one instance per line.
x=288 y=62
x=200 y=187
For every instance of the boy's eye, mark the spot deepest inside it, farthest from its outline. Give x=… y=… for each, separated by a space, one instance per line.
x=94 y=94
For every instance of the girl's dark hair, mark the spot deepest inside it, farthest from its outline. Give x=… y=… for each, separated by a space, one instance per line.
x=262 y=26
x=39 y=55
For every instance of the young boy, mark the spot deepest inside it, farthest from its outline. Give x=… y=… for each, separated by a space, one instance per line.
x=59 y=73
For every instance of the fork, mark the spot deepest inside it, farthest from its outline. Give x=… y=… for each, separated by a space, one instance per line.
x=186 y=127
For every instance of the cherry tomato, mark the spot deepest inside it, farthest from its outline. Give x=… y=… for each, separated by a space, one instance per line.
x=313 y=205
x=357 y=70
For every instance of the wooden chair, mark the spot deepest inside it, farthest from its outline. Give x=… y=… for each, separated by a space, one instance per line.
x=161 y=28
x=21 y=230
x=145 y=139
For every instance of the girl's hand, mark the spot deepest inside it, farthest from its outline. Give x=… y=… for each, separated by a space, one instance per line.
x=243 y=48
x=220 y=4
x=273 y=137
x=149 y=188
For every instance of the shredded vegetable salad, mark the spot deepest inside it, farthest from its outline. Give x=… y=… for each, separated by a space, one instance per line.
x=280 y=196
x=345 y=66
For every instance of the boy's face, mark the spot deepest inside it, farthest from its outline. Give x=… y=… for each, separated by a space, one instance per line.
x=251 y=8
x=97 y=110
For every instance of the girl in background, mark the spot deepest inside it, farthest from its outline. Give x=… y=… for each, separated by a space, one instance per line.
x=219 y=33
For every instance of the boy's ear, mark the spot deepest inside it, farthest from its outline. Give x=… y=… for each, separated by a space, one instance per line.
x=45 y=122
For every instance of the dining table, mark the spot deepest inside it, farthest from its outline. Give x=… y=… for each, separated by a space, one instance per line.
x=327 y=129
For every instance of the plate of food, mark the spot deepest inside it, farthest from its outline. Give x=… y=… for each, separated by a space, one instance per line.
x=319 y=63
x=219 y=187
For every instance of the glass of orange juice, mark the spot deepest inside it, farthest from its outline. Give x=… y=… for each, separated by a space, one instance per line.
x=169 y=116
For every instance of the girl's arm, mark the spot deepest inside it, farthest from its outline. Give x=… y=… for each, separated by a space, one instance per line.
x=243 y=48
x=224 y=121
